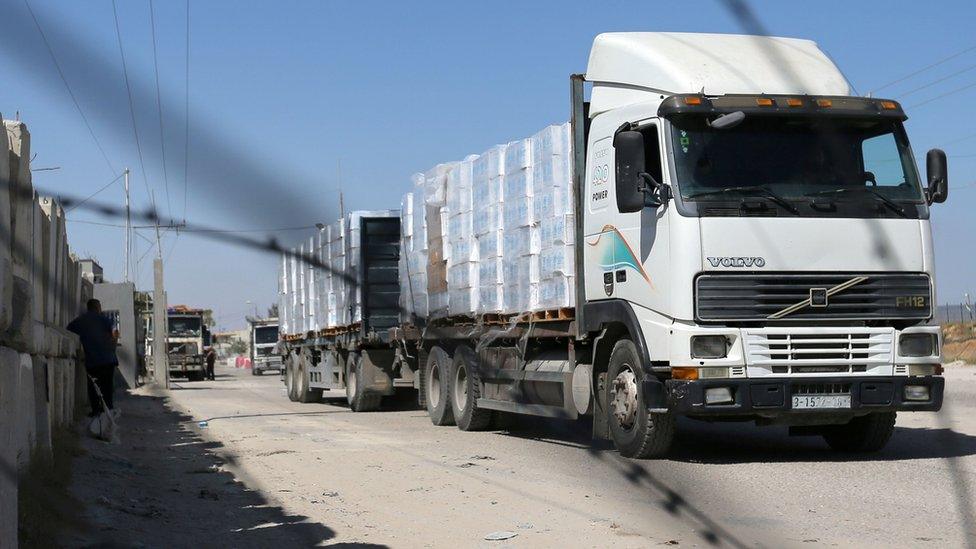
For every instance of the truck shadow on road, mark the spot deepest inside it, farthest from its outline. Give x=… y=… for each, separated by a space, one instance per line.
x=727 y=443
x=166 y=485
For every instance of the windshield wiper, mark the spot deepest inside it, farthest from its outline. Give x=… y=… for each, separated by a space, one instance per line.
x=881 y=198
x=752 y=190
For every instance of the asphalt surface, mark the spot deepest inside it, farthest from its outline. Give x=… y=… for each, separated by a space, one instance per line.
x=391 y=478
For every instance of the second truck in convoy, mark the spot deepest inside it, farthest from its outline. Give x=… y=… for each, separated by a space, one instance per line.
x=750 y=241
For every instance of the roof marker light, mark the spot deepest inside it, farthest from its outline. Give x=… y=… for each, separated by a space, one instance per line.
x=764 y=102
x=889 y=105
x=692 y=100
x=794 y=102
x=824 y=103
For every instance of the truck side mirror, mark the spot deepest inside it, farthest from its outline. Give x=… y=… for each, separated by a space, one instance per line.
x=938 y=175
x=629 y=162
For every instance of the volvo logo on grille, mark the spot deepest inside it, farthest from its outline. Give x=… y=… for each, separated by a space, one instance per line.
x=736 y=261
x=818 y=297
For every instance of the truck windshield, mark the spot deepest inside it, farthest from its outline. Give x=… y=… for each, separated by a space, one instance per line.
x=183 y=326
x=795 y=158
x=265 y=334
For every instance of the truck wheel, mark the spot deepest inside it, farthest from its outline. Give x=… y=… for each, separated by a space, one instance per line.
x=867 y=433
x=636 y=432
x=194 y=376
x=290 y=384
x=466 y=390
x=357 y=397
x=305 y=392
x=437 y=372
x=255 y=371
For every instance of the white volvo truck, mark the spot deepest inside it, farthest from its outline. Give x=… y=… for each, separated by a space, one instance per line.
x=752 y=243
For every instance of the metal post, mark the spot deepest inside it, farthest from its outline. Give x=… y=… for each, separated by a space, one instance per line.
x=160 y=361
x=128 y=229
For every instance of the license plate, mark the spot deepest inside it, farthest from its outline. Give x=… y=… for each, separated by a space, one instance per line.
x=810 y=402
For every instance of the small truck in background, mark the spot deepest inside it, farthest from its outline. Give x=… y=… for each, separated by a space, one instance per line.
x=264 y=338
x=188 y=336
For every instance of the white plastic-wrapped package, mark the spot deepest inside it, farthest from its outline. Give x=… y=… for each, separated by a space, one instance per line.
x=558 y=229
x=518 y=156
x=491 y=244
x=489 y=164
x=459 y=186
x=487 y=218
x=517 y=184
x=557 y=292
x=558 y=259
x=519 y=241
x=434 y=184
x=518 y=212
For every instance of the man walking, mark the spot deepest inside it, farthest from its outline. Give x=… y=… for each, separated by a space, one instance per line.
x=210 y=358
x=97 y=340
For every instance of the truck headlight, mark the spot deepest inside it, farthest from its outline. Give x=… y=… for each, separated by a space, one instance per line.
x=916 y=344
x=709 y=346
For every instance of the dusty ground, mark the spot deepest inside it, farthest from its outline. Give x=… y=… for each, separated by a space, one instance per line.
x=265 y=471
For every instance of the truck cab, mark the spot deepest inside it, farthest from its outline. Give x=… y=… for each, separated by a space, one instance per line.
x=264 y=339
x=756 y=242
x=187 y=338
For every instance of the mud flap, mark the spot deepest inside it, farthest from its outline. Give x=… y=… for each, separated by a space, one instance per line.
x=655 y=395
x=377 y=368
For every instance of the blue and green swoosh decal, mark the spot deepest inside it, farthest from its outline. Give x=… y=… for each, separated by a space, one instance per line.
x=615 y=253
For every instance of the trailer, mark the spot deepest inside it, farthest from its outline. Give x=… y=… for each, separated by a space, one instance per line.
x=745 y=240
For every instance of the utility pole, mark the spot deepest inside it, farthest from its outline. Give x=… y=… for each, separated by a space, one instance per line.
x=342 y=209
x=160 y=329
x=128 y=230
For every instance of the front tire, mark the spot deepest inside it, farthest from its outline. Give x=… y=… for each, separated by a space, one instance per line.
x=466 y=390
x=437 y=372
x=636 y=432
x=868 y=433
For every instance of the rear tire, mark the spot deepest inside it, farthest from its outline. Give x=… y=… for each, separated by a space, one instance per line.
x=290 y=376
x=636 y=432
x=357 y=397
x=437 y=374
x=466 y=390
x=255 y=371
x=868 y=433
x=194 y=376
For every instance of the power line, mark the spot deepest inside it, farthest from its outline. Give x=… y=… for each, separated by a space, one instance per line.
x=64 y=80
x=957 y=90
x=921 y=70
x=92 y=195
x=934 y=82
x=132 y=110
x=159 y=106
x=181 y=228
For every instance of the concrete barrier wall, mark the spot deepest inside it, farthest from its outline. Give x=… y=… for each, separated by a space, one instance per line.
x=42 y=385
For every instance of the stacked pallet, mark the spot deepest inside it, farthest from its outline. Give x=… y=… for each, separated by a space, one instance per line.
x=501 y=223
x=318 y=287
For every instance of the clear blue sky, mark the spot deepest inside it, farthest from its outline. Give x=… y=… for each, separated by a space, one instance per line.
x=281 y=91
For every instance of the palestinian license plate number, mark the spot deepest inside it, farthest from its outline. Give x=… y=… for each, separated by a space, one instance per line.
x=813 y=402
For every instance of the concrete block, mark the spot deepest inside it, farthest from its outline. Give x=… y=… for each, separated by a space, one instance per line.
x=81 y=389
x=26 y=418
x=42 y=419
x=22 y=195
x=6 y=280
x=20 y=334
x=9 y=380
x=55 y=387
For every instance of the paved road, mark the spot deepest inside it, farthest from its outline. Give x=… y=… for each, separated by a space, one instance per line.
x=392 y=478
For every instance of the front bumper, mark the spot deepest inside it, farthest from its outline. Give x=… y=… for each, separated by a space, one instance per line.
x=769 y=397
x=263 y=365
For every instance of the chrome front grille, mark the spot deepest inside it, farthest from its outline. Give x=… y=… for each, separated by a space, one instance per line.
x=727 y=296
x=818 y=351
